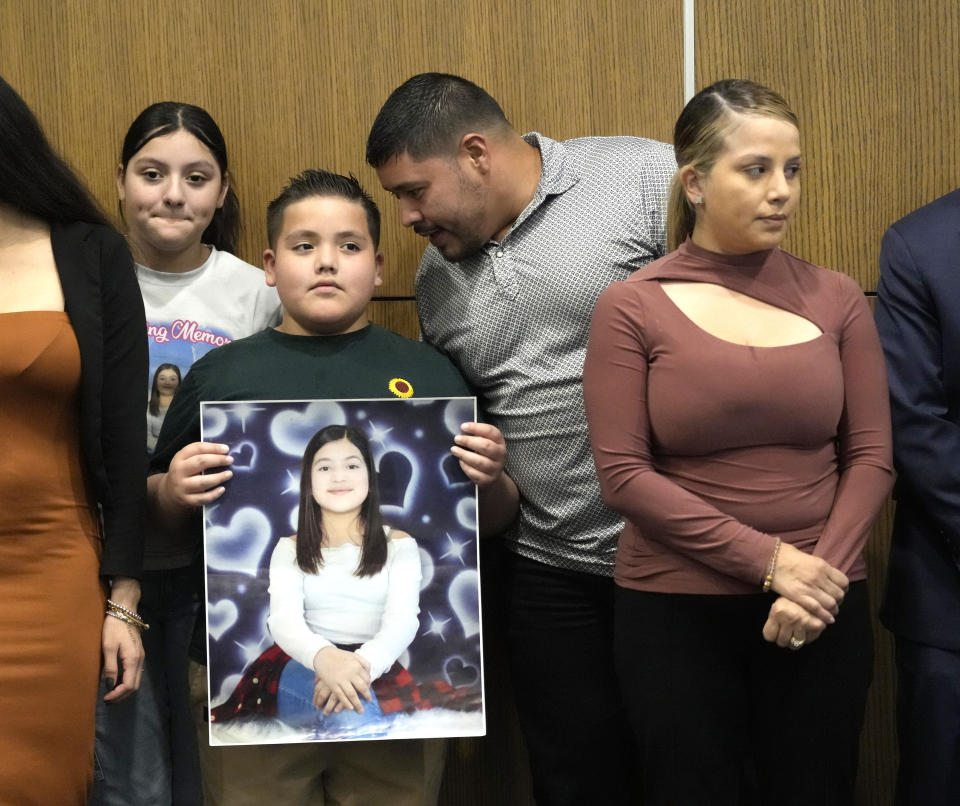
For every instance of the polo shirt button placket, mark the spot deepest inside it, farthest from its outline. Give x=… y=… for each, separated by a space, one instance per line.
x=502 y=271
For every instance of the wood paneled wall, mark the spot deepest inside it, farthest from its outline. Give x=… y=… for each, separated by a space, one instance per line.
x=297 y=83
x=876 y=85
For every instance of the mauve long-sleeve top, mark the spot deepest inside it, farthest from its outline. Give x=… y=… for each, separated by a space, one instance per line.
x=711 y=449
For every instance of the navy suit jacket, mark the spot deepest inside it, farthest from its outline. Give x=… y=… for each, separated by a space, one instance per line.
x=918 y=317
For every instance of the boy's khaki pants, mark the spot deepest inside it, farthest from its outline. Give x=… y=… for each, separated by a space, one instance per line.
x=398 y=773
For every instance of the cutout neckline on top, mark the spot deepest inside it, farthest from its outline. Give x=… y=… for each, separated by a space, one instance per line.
x=746 y=302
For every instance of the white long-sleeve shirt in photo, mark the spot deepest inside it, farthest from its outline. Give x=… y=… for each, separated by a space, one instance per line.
x=334 y=606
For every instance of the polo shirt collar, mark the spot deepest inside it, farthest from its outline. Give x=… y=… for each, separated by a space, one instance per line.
x=557 y=174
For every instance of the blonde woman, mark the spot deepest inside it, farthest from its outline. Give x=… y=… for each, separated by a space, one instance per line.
x=737 y=406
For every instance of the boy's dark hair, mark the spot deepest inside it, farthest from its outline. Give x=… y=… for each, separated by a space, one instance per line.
x=428 y=114
x=34 y=179
x=317 y=182
x=167 y=117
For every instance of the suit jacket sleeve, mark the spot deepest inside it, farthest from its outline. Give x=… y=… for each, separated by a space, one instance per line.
x=926 y=440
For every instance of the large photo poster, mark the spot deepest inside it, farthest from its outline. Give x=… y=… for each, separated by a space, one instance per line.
x=342 y=577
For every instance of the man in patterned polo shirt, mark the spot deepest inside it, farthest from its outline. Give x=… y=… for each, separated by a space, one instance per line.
x=525 y=232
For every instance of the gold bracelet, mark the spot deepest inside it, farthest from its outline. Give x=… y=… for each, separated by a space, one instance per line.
x=140 y=625
x=115 y=606
x=768 y=579
x=123 y=614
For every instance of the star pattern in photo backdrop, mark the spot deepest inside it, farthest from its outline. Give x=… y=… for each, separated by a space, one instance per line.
x=423 y=492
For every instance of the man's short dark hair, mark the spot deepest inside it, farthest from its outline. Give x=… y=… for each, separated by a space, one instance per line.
x=428 y=114
x=315 y=182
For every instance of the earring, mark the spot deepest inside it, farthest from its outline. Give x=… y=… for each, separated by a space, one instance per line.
x=698 y=200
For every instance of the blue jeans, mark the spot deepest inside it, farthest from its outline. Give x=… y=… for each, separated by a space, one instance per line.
x=295 y=707
x=146 y=745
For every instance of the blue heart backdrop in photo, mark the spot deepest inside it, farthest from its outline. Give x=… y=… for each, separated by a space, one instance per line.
x=423 y=492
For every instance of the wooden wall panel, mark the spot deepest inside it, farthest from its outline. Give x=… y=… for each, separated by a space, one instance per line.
x=876 y=85
x=296 y=84
x=878 y=745
x=400 y=316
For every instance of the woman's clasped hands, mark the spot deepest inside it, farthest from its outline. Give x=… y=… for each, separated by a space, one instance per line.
x=811 y=592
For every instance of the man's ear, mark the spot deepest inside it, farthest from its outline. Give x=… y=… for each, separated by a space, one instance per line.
x=474 y=151
x=269 y=267
x=378 y=279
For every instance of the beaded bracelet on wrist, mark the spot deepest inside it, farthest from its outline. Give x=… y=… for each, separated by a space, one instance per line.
x=122 y=613
x=768 y=579
x=122 y=609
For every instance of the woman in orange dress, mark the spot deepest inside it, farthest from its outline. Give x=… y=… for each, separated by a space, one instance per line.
x=73 y=364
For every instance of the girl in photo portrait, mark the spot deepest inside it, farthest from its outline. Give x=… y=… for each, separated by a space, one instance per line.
x=344 y=603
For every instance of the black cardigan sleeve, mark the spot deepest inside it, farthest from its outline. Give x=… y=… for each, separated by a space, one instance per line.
x=123 y=410
x=106 y=310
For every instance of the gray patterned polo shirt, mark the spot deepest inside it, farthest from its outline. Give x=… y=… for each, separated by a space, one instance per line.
x=516 y=316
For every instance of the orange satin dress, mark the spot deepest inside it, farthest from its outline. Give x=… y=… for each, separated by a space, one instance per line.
x=51 y=599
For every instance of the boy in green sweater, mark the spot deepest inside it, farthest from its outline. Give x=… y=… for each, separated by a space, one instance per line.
x=323 y=233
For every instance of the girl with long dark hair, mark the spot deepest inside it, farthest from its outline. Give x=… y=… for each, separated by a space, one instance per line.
x=344 y=598
x=166 y=381
x=345 y=590
x=181 y=213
